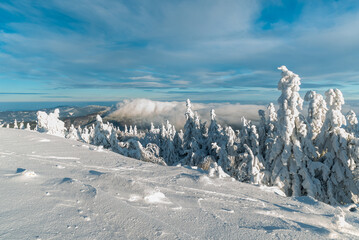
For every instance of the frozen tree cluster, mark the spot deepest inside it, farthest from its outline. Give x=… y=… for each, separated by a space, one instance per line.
x=314 y=154
x=50 y=123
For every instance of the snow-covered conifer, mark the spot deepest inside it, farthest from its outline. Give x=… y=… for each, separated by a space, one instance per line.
x=215 y=134
x=114 y=140
x=316 y=112
x=50 y=123
x=352 y=123
x=15 y=124
x=79 y=132
x=101 y=133
x=338 y=182
x=192 y=139
x=85 y=135
x=248 y=165
x=289 y=169
x=72 y=133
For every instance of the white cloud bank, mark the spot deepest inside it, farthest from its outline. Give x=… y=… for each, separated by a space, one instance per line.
x=144 y=111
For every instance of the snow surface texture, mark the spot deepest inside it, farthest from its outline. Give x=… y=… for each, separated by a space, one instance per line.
x=64 y=189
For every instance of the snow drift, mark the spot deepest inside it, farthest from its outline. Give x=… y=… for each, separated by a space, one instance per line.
x=55 y=188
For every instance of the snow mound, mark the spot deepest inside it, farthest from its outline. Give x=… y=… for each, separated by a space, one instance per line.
x=156 y=198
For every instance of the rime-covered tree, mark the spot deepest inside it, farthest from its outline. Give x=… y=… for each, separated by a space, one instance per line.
x=168 y=151
x=113 y=139
x=192 y=140
x=215 y=134
x=271 y=130
x=15 y=124
x=262 y=131
x=316 y=112
x=85 y=135
x=178 y=144
x=289 y=169
x=338 y=183
x=72 y=133
x=352 y=123
x=102 y=133
x=50 y=123
x=248 y=166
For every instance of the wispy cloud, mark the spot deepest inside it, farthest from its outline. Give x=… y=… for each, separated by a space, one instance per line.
x=20 y=93
x=188 y=45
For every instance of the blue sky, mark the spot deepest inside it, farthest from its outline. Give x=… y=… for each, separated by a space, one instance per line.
x=107 y=50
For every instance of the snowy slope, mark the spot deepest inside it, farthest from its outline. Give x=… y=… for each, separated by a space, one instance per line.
x=53 y=188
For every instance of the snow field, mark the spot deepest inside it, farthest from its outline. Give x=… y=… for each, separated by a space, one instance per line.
x=103 y=195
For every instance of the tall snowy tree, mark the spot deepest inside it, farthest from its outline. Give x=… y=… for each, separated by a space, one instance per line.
x=215 y=134
x=316 y=112
x=333 y=141
x=193 y=139
x=289 y=169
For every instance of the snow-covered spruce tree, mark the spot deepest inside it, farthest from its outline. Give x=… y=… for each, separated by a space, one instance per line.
x=178 y=144
x=248 y=165
x=352 y=123
x=15 y=124
x=85 y=135
x=51 y=123
x=167 y=148
x=217 y=143
x=113 y=139
x=79 y=132
x=151 y=136
x=193 y=140
x=291 y=158
x=215 y=134
x=135 y=130
x=353 y=140
x=102 y=133
x=270 y=135
x=72 y=133
x=262 y=131
x=333 y=141
x=21 y=125
x=28 y=127
x=316 y=113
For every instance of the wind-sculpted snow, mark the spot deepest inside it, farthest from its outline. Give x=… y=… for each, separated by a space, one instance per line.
x=103 y=195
